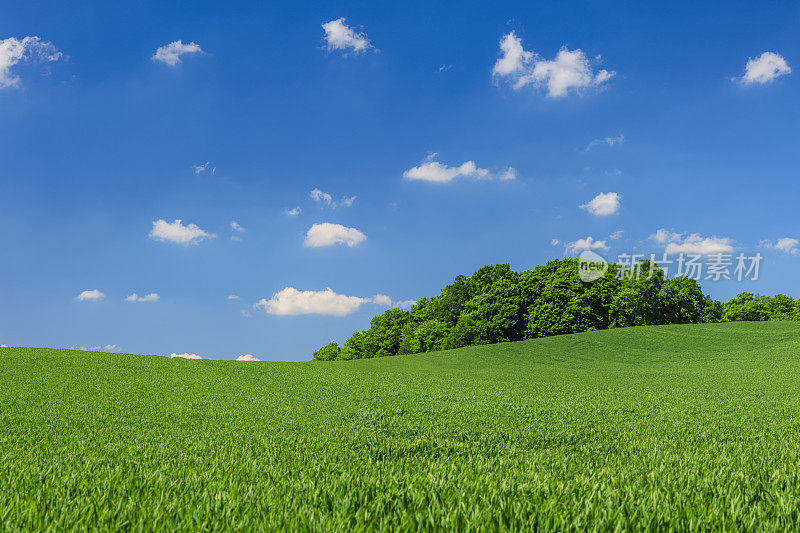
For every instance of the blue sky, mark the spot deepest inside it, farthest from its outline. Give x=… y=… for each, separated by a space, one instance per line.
x=592 y=118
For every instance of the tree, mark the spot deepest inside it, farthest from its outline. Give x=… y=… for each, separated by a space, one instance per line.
x=329 y=352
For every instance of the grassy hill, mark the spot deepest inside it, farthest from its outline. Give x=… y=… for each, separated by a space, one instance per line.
x=680 y=427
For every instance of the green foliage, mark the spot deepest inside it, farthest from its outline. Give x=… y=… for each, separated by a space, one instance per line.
x=667 y=428
x=497 y=304
x=755 y=307
x=329 y=352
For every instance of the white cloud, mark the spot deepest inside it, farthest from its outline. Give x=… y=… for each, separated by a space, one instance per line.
x=325 y=198
x=178 y=233
x=291 y=301
x=509 y=174
x=106 y=348
x=694 y=243
x=292 y=212
x=235 y=226
x=764 y=68
x=3 y=345
x=382 y=299
x=569 y=70
x=152 y=297
x=586 y=244
x=404 y=304
x=27 y=49
x=340 y=36
x=435 y=171
x=616 y=235
x=233 y=297
x=170 y=54
x=320 y=196
x=327 y=234
x=93 y=295
x=246 y=313
x=248 y=357
x=185 y=356
x=199 y=169
x=607 y=141
x=555 y=242
x=605 y=203
x=787 y=245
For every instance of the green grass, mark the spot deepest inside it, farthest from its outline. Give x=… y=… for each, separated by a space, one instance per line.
x=669 y=427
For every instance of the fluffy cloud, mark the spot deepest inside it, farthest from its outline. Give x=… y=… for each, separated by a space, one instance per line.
x=178 y=233
x=607 y=141
x=292 y=212
x=585 y=244
x=435 y=171
x=152 y=297
x=616 y=235
x=291 y=301
x=764 y=68
x=185 y=356
x=27 y=49
x=675 y=243
x=3 y=345
x=327 y=234
x=170 y=54
x=93 y=295
x=248 y=357
x=340 y=36
x=605 y=203
x=386 y=301
x=787 y=245
x=569 y=70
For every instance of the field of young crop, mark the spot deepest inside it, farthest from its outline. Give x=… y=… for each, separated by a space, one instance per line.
x=679 y=427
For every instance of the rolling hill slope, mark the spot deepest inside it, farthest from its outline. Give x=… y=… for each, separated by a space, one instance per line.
x=669 y=426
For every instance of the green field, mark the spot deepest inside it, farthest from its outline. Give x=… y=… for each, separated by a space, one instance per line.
x=666 y=427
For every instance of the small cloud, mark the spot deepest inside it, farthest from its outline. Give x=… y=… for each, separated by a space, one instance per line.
x=605 y=203
x=327 y=234
x=93 y=295
x=616 y=235
x=233 y=297
x=340 y=36
x=509 y=174
x=292 y=212
x=444 y=68
x=764 y=69
x=3 y=345
x=152 y=297
x=106 y=348
x=235 y=226
x=555 y=242
x=291 y=301
x=170 y=54
x=404 y=304
x=177 y=233
x=786 y=245
x=607 y=141
x=436 y=172
x=246 y=313
x=675 y=243
x=248 y=357
x=325 y=198
x=382 y=299
x=199 y=169
x=29 y=49
x=320 y=196
x=585 y=244
x=570 y=70
x=185 y=356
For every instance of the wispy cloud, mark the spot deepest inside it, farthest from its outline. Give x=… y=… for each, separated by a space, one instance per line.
x=606 y=141
x=585 y=244
x=152 y=297
x=29 y=49
x=788 y=245
x=694 y=243
x=434 y=171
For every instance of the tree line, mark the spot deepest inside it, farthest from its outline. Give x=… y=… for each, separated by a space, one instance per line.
x=496 y=304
